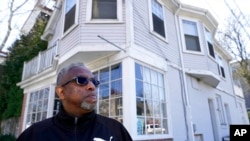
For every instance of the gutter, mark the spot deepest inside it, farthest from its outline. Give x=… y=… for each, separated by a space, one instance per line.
x=185 y=94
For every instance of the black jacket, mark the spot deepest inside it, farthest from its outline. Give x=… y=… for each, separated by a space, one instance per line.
x=62 y=127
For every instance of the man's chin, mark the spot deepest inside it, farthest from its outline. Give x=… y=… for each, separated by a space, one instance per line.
x=88 y=106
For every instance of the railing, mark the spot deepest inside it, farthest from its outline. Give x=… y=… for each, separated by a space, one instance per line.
x=39 y=63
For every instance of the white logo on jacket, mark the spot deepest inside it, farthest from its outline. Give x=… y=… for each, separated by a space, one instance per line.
x=100 y=139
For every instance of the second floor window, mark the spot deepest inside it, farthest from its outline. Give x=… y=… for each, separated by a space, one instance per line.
x=210 y=43
x=191 y=36
x=158 y=18
x=104 y=9
x=220 y=66
x=70 y=11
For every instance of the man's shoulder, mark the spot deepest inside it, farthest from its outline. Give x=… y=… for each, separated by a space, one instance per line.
x=41 y=124
x=107 y=120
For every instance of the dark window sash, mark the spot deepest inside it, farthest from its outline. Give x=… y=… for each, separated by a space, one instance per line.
x=158 y=25
x=69 y=18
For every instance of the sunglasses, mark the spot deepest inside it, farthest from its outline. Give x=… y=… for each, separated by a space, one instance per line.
x=82 y=81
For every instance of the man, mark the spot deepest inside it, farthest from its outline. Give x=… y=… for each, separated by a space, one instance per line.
x=76 y=120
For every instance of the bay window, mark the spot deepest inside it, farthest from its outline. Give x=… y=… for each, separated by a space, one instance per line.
x=150 y=101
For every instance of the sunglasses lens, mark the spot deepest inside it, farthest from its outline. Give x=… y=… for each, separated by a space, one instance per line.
x=82 y=80
x=85 y=81
x=95 y=82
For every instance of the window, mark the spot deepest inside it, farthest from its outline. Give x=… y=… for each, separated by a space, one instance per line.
x=220 y=110
x=57 y=104
x=227 y=110
x=150 y=101
x=210 y=43
x=191 y=36
x=37 y=107
x=70 y=12
x=110 y=91
x=220 y=66
x=158 y=18
x=104 y=10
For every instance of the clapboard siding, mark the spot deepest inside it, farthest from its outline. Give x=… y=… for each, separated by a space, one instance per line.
x=144 y=38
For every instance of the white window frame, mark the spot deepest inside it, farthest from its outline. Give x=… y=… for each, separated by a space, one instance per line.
x=201 y=52
x=151 y=21
x=209 y=38
x=48 y=114
x=89 y=14
x=220 y=110
x=220 y=64
x=153 y=136
x=120 y=109
x=76 y=18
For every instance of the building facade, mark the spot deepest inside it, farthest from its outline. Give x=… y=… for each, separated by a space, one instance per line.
x=162 y=72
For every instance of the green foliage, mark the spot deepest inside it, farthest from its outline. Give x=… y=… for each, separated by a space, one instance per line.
x=7 y=138
x=22 y=50
x=248 y=115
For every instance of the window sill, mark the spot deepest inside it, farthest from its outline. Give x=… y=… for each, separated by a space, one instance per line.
x=159 y=36
x=104 y=21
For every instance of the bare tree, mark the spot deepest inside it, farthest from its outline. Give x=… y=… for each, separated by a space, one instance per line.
x=235 y=37
x=13 y=8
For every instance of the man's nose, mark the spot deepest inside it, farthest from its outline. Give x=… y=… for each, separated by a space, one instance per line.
x=91 y=86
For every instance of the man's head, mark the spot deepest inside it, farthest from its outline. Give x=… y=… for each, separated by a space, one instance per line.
x=76 y=87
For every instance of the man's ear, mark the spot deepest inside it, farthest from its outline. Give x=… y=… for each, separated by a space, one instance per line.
x=59 y=92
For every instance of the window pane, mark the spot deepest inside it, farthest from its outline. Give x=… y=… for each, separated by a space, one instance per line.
x=116 y=88
x=190 y=28
x=139 y=88
x=140 y=106
x=116 y=107
x=104 y=75
x=158 y=25
x=104 y=107
x=69 y=18
x=116 y=71
x=149 y=107
x=138 y=71
x=104 y=9
x=147 y=91
x=211 y=49
x=140 y=126
x=104 y=91
x=146 y=75
x=192 y=43
x=155 y=93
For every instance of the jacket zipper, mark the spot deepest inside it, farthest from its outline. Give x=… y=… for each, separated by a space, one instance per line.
x=76 y=120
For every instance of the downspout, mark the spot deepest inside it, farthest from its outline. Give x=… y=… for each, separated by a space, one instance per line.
x=187 y=107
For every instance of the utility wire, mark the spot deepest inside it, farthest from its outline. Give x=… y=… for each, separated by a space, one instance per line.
x=237 y=19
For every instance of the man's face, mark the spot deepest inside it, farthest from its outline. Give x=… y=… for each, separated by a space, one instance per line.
x=78 y=99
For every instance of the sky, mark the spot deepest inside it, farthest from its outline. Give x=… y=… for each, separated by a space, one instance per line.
x=18 y=20
x=218 y=8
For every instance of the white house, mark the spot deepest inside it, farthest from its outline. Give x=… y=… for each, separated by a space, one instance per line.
x=162 y=72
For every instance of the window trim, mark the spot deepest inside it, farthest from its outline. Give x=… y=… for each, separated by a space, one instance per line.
x=76 y=18
x=24 y=123
x=118 y=13
x=183 y=37
x=220 y=110
x=207 y=40
x=220 y=64
x=151 y=21
x=152 y=136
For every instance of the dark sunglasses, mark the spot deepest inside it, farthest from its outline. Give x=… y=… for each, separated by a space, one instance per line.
x=80 y=80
